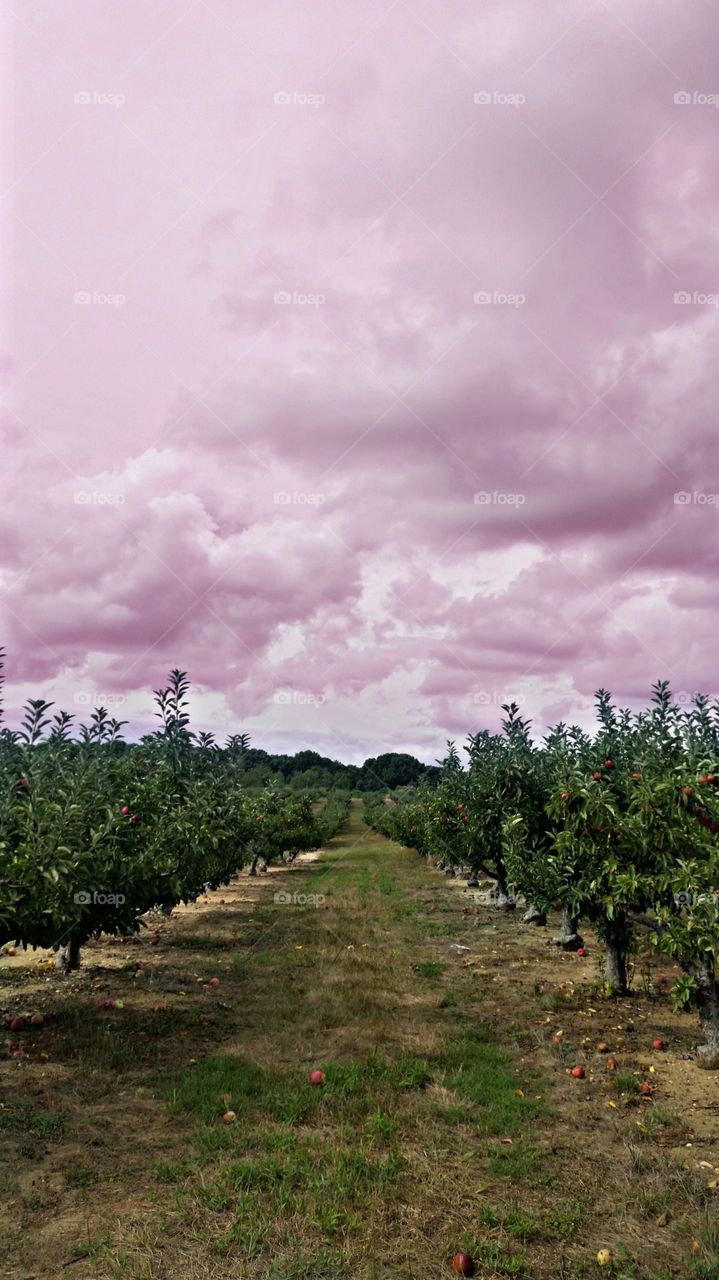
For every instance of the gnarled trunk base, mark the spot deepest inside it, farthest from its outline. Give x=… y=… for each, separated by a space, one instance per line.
x=568 y=938
x=534 y=916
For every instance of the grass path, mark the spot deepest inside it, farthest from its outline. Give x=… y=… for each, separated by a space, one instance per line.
x=447 y=1121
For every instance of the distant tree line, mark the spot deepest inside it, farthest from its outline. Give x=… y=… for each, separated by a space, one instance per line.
x=309 y=771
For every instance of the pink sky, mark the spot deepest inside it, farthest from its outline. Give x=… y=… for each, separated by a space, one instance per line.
x=279 y=496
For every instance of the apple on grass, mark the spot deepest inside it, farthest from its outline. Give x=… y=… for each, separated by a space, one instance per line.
x=213 y=982
x=317 y=1078
x=463 y=1264
x=659 y=1043
x=16 y=1024
x=577 y=1073
x=229 y=1117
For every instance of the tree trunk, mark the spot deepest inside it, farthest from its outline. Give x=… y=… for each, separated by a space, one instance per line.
x=68 y=957
x=253 y=868
x=616 y=939
x=568 y=939
x=503 y=899
x=708 y=1004
x=534 y=916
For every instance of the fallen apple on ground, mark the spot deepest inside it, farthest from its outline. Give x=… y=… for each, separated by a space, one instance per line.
x=16 y=1024
x=612 y=1064
x=229 y=1117
x=318 y=1078
x=578 y=1073
x=463 y=1264
x=581 y=951
x=659 y=1044
x=605 y=1257
x=213 y=982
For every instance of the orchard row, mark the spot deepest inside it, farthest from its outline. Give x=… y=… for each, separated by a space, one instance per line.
x=619 y=828
x=95 y=831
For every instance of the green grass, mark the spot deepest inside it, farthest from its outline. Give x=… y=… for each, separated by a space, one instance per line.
x=23 y=1116
x=481 y=1072
x=429 y=968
